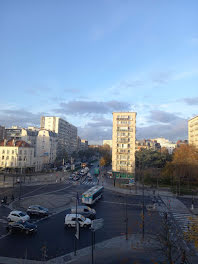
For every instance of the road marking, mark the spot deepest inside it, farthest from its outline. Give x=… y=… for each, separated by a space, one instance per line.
x=49 y=192
x=120 y=203
x=36 y=189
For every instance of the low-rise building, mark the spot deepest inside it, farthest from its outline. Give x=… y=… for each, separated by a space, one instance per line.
x=165 y=143
x=107 y=142
x=16 y=155
x=147 y=144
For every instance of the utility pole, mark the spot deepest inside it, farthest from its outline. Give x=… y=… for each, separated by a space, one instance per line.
x=126 y=220
x=143 y=210
x=20 y=183
x=76 y=228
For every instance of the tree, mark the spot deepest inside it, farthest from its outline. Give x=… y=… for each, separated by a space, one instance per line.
x=191 y=234
x=183 y=168
x=169 y=241
x=148 y=158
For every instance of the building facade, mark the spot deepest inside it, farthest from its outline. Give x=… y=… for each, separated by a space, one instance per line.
x=2 y=133
x=67 y=134
x=165 y=143
x=17 y=155
x=193 y=131
x=123 y=144
x=27 y=135
x=46 y=149
x=147 y=144
x=107 y=142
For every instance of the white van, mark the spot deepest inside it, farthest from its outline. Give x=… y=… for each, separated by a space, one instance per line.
x=70 y=220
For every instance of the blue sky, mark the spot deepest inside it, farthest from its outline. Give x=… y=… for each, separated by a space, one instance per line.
x=82 y=60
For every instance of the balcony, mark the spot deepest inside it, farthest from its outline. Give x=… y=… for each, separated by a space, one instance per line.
x=123 y=118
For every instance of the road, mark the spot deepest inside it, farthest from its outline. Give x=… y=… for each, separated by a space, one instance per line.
x=59 y=241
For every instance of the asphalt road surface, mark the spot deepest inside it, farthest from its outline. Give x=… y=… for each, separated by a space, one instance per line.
x=59 y=240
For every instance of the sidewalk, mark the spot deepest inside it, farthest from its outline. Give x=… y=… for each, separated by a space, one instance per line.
x=105 y=250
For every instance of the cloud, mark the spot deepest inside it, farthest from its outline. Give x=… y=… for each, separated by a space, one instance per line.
x=100 y=122
x=191 y=101
x=19 y=117
x=163 y=117
x=162 y=77
x=174 y=131
x=91 y=107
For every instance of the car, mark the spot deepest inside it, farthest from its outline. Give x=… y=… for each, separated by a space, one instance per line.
x=71 y=177
x=70 y=220
x=76 y=178
x=20 y=226
x=15 y=216
x=37 y=210
x=84 y=210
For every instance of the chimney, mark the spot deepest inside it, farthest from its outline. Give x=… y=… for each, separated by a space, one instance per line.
x=13 y=143
x=5 y=142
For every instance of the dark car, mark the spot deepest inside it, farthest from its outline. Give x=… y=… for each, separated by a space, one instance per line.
x=84 y=210
x=20 y=226
x=37 y=210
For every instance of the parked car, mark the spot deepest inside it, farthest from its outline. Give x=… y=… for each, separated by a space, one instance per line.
x=84 y=210
x=70 y=220
x=15 y=216
x=20 y=226
x=37 y=210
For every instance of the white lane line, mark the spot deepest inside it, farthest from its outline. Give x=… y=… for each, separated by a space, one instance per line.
x=120 y=203
x=47 y=192
x=36 y=189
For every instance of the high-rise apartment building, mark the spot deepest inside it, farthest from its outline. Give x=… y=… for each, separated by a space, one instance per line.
x=193 y=131
x=67 y=133
x=123 y=144
x=2 y=133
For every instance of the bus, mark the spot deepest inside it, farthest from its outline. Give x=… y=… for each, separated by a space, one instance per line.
x=92 y=195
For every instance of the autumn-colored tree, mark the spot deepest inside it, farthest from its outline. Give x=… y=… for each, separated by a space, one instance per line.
x=183 y=167
x=191 y=234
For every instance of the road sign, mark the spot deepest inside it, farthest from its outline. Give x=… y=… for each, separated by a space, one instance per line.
x=97 y=224
x=77 y=230
x=132 y=181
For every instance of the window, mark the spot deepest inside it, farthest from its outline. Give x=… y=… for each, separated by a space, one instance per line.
x=12 y=157
x=11 y=163
x=2 y=157
x=12 y=151
x=7 y=158
x=20 y=152
x=20 y=158
x=3 y=152
x=25 y=152
x=8 y=151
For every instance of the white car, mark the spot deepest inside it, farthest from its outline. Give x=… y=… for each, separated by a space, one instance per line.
x=15 y=216
x=70 y=220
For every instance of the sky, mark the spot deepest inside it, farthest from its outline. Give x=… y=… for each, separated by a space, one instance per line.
x=83 y=60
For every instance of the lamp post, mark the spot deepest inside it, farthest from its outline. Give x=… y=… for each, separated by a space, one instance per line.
x=126 y=220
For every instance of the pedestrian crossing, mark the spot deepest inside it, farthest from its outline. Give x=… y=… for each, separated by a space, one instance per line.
x=180 y=213
x=91 y=183
x=184 y=220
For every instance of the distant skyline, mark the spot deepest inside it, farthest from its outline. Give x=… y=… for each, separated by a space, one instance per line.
x=83 y=60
